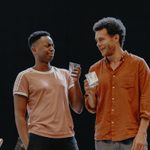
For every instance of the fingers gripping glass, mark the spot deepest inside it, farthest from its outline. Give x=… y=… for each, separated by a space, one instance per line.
x=92 y=79
x=73 y=65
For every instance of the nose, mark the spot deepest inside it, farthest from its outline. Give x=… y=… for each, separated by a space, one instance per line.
x=52 y=49
x=98 y=45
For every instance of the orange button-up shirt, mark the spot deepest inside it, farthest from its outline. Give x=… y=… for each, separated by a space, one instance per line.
x=123 y=97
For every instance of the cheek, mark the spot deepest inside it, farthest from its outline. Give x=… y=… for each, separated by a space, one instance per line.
x=111 y=47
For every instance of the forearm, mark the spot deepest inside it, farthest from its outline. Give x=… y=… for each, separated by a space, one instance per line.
x=77 y=102
x=22 y=130
x=140 y=141
x=144 y=123
x=90 y=102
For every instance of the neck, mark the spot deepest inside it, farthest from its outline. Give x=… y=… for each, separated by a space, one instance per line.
x=42 y=67
x=116 y=57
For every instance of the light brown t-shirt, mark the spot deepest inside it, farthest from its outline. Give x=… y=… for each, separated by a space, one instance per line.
x=48 y=103
x=123 y=97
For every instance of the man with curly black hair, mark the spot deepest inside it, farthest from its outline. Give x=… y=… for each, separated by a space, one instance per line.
x=121 y=99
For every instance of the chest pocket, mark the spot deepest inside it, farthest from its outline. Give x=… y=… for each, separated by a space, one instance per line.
x=127 y=82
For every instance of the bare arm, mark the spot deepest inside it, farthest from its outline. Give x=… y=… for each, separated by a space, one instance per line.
x=75 y=93
x=141 y=138
x=20 y=104
x=143 y=126
x=90 y=97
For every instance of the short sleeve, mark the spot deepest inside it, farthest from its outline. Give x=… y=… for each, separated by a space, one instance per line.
x=21 y=85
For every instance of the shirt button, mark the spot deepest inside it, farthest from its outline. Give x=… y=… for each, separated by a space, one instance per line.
x=112 y=122
x=112 y=110
x=114 y=76
x=113 y=98
x=113 y=87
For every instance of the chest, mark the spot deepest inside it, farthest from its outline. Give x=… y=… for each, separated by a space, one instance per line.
x=47 y=83
x=115 y=65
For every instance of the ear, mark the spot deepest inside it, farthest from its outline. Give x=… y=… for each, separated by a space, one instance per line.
x=33 y=49
x=116 y=37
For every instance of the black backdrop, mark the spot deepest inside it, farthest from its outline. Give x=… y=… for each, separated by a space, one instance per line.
x=70 y=24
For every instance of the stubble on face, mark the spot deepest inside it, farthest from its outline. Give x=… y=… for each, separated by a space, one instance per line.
x=105 y=43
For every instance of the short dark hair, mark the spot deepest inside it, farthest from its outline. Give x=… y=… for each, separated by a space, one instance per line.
x=113 y=26
x=35 y=36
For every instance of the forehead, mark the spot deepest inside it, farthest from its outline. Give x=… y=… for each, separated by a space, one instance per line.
x=43 y=40
x=101 y=33
x=46 y=39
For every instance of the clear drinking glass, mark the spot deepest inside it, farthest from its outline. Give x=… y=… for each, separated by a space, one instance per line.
x=92 y=78
x=73 y=65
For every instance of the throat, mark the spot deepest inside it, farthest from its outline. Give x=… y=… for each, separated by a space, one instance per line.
x=42 y=67
x=116 y=61
x=115 y=65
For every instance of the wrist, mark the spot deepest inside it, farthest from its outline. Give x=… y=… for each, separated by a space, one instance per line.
x=142 y=132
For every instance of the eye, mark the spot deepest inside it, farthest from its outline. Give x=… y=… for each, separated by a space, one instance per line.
x=99 y=40
x=47 y=45
x=50 y=45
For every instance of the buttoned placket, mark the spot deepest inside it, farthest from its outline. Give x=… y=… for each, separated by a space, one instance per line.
x=113 y=102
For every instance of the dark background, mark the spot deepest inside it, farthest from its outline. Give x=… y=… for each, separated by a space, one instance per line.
x=70 y=24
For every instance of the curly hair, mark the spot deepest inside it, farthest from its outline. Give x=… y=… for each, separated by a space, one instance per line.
x=113 y=26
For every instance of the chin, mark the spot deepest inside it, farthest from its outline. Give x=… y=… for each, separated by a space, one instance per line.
x=50 y=58
x=104 y=54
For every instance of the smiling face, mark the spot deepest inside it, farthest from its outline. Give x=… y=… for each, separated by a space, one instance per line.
x=43 y=49
x=106 y=43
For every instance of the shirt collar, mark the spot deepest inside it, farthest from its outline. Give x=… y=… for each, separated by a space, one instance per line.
x=123 y=57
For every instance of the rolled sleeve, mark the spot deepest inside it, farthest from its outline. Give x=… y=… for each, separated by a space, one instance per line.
x=145 y=90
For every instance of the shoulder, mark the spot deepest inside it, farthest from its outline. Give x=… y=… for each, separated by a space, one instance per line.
x=138 y=61
x=21 y=77
x=97 y=64
x=24 y=72
x=136 y=58
x=61 y=70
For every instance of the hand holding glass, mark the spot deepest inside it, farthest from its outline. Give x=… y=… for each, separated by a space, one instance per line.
x=92 y=79
x=73 y=65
